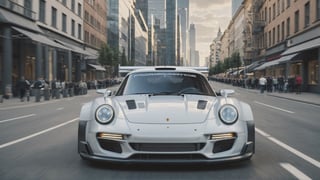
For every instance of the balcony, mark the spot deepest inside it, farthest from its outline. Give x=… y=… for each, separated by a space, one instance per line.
x=19 y=9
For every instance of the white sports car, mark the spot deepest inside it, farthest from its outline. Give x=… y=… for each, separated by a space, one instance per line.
x=166 y=115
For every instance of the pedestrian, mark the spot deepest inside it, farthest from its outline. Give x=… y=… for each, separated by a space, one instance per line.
x=298 y=83
x=262 y=84
x=275 y=84
x=53 y=88
x=22 y=85
x=281 y=83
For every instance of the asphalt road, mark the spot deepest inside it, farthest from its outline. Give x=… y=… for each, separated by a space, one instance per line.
x=39 y=141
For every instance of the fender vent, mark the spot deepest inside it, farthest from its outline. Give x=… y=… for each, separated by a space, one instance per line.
x=202 y=104
x=131 y=104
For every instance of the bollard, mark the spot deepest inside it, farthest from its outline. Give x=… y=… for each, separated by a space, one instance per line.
x=46 y=94
x=65 y=93
x=28 y=95
x=57 y=93
x=37 y=95
x=71 y=92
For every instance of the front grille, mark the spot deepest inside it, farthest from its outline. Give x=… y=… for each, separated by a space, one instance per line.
x=167 y=147
x=109 y=145
x=167 y=157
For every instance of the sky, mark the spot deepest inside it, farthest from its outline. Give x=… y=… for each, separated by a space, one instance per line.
x=208 y=16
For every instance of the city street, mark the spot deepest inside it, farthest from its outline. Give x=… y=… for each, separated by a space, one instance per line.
x=39 y=141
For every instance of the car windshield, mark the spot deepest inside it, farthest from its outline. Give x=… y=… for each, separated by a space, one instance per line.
x=165 y=83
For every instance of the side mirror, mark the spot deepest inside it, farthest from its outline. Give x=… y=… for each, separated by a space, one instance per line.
x=105 y=92
x=226 y=92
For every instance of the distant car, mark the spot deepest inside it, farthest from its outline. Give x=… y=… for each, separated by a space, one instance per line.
x=166 y=115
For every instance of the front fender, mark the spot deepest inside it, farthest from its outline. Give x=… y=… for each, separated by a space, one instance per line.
x=85 y=113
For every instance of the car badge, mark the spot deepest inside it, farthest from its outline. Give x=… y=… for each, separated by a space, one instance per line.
x=167 y=119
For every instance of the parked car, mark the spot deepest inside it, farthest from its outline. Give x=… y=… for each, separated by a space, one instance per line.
x=166 y=115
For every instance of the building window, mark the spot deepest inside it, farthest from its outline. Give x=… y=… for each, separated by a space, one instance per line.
x=54 y=17
x=307 y=14
x=86 y=16
x=64 y=2
x=278 y=7
x=296 y=21
x=79 y=31
x=79 y=9
x=42 y=11
x=282 y=5
x=273 y=36
x=270 y=14
x=278 y=33
x=288 y=27
x=318 y=9
x=282 y=31
x=86 y=37
x=269 y=38
x=64 y=22
x=27 y=8
x=73 y=5
x=313 y=70
x=274 y=11
x=288 y=3
x=73 y=27
x=265 y=14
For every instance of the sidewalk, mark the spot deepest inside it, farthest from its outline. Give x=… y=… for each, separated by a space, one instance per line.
x=305 y=97
x=15 y=101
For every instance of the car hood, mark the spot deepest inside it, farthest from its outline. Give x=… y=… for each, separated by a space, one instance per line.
x=165 y=109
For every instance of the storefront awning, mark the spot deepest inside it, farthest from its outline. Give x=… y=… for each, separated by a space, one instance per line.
x=265 y=65
x=73 y=48
x=302 y=47
x=39 y=38
x=282 y=59
x=97 y=67
x=17 y=20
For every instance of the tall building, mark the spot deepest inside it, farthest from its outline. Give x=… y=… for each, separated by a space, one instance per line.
x=192 y=43
x=171 y=33
x=127 y=31
x=95 y=23
x=183 y=11
x=215 y=49
x=157 y=10
x=184 y=4
x=95 y=35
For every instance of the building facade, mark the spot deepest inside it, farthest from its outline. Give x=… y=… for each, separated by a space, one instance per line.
x=43 y=39
x=291 y=40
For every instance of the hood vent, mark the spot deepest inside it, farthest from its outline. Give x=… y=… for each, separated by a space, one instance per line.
x=131 y=104
x=202 y=104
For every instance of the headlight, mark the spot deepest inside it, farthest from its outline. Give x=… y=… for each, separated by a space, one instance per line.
x=104 y=114
x=228 y=114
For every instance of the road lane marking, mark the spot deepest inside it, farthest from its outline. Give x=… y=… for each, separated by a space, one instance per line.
x=37 y=134
x=273 y=107
x=294 y=171
x=288 y=148
x=16 y=118
x=59 y=109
